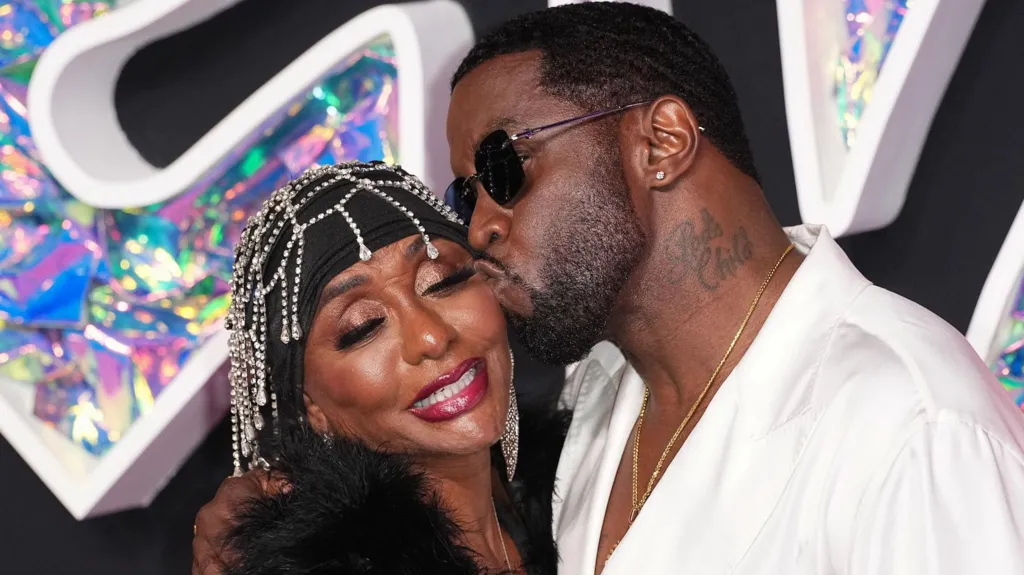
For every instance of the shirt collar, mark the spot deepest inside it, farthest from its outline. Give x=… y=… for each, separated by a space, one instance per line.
x=776 y=376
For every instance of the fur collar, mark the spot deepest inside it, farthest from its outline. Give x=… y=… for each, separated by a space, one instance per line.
x=353 y=510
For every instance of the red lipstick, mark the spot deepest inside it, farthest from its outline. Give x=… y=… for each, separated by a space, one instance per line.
x=452 y=394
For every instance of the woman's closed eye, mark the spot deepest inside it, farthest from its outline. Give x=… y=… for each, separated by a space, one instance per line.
x=355 y=335
x=449 y=282
x=358 y=333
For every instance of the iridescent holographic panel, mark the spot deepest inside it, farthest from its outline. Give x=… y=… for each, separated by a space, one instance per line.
x=100 y=309
x=28 y=27
x=1009 y=361
x=871 y=27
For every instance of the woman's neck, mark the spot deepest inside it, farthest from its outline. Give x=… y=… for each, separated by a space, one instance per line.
x=465 y=486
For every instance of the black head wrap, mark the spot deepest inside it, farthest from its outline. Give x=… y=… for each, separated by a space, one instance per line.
x=307 y=233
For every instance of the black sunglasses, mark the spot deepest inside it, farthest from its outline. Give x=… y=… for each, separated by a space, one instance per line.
x=499 y=169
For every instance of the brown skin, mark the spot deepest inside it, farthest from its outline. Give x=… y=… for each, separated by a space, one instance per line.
x=365 y=388
x=711 y=240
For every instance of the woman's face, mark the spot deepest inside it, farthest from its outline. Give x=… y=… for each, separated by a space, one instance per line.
x=410 y=354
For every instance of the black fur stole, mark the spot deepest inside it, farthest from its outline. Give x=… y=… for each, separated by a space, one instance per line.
x=353 y=510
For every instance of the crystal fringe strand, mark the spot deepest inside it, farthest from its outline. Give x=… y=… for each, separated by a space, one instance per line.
x=247 y=317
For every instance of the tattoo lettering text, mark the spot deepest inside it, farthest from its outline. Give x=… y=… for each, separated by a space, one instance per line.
x=695 y=249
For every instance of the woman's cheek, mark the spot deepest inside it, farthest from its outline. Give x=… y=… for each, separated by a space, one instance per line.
x=363 y=380
x=477 y=316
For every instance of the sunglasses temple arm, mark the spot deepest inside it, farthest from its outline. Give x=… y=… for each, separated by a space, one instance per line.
x=585 y=117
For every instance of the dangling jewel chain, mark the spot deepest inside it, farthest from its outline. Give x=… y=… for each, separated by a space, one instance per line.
x=247 y=343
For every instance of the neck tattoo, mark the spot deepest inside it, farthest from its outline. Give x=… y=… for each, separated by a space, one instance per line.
x=696 y=249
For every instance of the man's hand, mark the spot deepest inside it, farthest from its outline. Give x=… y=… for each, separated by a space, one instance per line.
x=210 y=556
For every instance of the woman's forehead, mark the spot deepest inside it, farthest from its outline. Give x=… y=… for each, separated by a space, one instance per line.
x=403 y=251
x=402 y=256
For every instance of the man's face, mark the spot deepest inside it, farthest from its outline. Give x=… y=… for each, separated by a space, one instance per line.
x=560 y=253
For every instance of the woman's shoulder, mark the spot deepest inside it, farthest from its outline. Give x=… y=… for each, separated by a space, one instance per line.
x=349 y=509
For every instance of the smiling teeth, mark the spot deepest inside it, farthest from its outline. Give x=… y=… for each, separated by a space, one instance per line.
x=447 y=391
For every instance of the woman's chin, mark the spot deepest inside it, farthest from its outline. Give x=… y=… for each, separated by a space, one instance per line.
x=462 y=439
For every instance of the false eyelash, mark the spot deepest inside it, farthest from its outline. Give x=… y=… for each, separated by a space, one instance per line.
x=358 y=333
x=460 y=276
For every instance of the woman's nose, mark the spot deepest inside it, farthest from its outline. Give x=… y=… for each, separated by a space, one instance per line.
x=425 y=335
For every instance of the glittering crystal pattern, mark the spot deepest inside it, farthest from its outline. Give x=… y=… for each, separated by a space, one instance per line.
x=1009 y=362
x=100 y=309
x=871 y=27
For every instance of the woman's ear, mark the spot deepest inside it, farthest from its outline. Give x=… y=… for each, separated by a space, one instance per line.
x=315 y=415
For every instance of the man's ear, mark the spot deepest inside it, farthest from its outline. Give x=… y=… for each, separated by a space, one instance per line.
x=672 y=136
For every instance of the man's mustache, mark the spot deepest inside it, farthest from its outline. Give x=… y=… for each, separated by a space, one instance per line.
x=500 y=266
x=486 y=257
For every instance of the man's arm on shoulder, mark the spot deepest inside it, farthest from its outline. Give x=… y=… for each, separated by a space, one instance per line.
x=210 y=554
x=951 y=503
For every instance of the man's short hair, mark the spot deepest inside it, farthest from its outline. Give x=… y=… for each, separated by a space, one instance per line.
x=599 y=55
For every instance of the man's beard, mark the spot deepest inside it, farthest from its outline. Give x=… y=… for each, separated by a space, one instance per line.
x=588 y=261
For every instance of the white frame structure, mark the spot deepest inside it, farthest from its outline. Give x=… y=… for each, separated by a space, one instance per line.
x=864 y=188
x=985 y=331
x=74 y=122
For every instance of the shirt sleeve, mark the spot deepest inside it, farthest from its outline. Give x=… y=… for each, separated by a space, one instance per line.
x=952 y=503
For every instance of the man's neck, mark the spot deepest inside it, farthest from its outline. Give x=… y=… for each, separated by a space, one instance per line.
x=695 y=286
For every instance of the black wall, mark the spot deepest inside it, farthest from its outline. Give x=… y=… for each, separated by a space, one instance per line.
x=968 y=187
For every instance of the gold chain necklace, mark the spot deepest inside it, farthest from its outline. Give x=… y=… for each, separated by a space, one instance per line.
x=501 y=537
x=638 y=504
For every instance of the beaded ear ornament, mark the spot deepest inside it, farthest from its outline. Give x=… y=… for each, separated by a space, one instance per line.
x=281 y=217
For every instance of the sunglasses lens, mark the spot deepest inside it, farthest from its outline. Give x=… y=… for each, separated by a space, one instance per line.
x=499 y=166
x=460 y=198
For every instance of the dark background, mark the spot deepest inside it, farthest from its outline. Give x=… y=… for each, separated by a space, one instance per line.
x=968 y=187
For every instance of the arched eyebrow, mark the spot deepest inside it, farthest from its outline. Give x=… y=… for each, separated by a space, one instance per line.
x=500 y=123
x=336 y=290
x=412 y=251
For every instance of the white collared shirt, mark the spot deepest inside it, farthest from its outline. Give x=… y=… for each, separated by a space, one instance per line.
x=858 y=435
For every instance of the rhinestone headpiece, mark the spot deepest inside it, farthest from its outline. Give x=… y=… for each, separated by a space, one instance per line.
x=247 y=319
